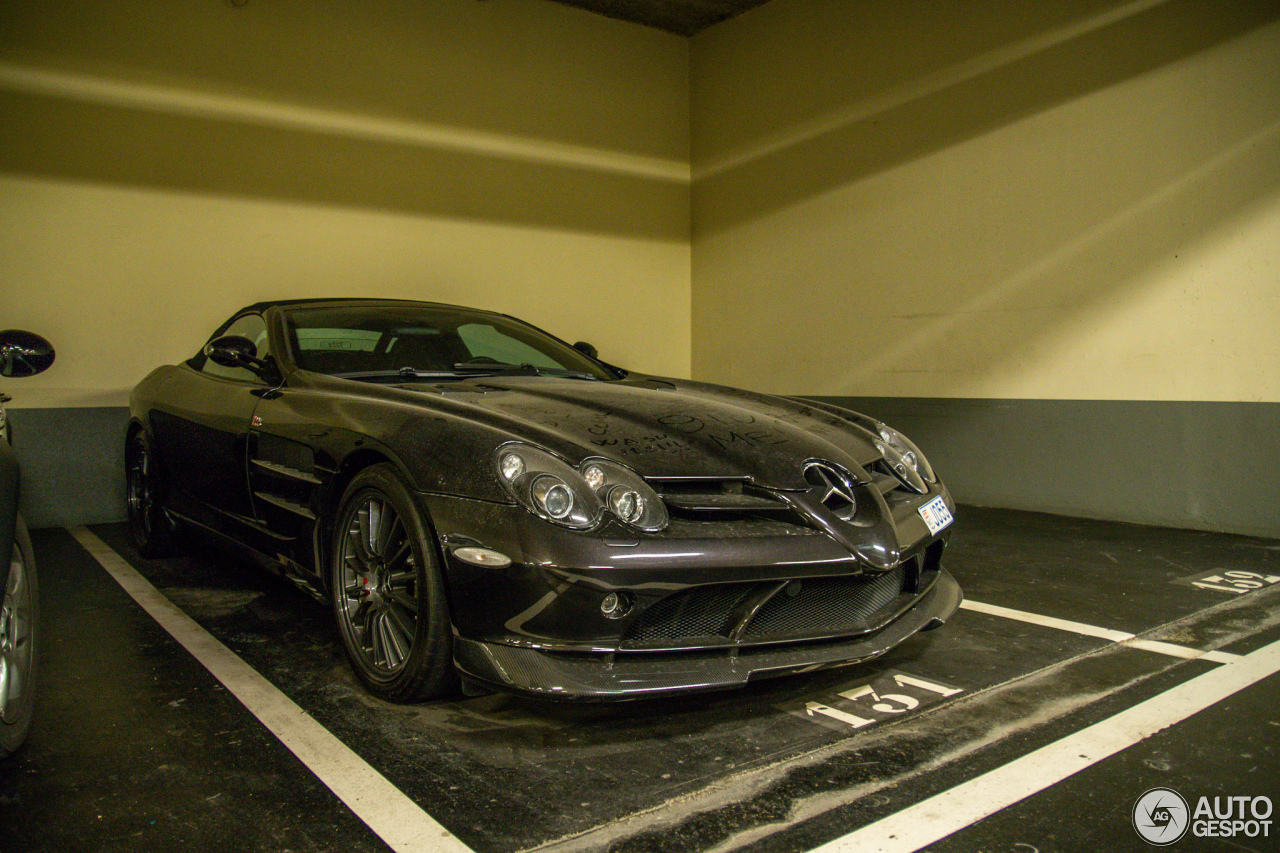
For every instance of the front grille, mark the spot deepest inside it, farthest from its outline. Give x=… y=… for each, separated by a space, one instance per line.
x=708 y=526
x=732 y=501
x=824 y=607
x=804 y=608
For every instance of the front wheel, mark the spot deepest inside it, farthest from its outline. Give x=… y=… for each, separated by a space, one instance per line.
x=154 y=533
x=387 y=591
x=19 y=635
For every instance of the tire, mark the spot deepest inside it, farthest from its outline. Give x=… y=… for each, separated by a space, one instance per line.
x=388 y=593
x=19 y=644
x=154 y=533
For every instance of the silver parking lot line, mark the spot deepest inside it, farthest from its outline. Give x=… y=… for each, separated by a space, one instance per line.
x=405 y=826
x=1177 y=651
x=384 y=808
x=1122 y=637
x=931 y=820
x=1047 y=621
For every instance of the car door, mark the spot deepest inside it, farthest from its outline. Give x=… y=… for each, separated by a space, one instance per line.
x=286 y=477
x=202 y=435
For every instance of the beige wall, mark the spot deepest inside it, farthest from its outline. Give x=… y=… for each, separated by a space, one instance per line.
x=162 y=164
x=1057 y=200
x=1041 y=200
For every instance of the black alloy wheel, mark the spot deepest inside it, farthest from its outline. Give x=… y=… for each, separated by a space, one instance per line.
x=387 y=591
x=19 y=634
x=154 y=532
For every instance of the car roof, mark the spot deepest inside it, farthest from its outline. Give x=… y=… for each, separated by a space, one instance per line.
x=259 y=307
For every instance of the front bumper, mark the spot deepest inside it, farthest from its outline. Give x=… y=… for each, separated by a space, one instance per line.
x=638 y=674
x=550 y=597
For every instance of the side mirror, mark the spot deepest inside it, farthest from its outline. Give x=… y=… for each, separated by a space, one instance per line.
x=587 y=349
x=23 y=353
x=232 y=351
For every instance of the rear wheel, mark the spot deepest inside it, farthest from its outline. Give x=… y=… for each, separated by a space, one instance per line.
x=19 y=635
x=387 y=591
x=154 y=533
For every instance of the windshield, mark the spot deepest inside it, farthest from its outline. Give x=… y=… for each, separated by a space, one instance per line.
x=406 y=341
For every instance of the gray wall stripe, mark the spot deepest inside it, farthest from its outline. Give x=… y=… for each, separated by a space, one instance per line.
x=72 y=464
x=1202 y=465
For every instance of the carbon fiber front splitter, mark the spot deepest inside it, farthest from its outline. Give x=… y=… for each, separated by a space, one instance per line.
x=637 y=675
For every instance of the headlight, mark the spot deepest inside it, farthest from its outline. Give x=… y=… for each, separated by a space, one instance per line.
x=553 y=496
x=626 y=494
x=551 y=489
x=547 y=487
x=511 y=466
x=905 y=458
x=627 y=504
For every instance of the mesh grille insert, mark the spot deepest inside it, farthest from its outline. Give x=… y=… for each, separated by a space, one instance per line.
x=698 y=612
x=820 y=607
x=826 y=606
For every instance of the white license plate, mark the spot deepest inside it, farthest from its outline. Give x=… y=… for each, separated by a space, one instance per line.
x=936 y=514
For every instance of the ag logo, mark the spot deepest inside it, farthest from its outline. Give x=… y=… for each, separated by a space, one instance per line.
x=1160 y=816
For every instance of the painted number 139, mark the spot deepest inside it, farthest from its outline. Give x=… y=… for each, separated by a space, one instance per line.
x=1238 y=582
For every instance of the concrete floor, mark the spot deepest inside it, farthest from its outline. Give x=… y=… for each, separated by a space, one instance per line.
x=136 y=746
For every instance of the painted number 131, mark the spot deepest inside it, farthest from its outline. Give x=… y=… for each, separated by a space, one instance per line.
x=884 y=703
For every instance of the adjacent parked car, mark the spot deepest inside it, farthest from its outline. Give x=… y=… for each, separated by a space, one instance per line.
x=21 y=354
x=477 y=498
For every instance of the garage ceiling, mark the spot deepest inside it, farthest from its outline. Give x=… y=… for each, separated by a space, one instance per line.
x=682 y=17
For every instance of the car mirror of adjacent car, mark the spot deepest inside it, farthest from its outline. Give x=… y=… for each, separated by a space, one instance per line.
x=235 y=351
x=23 y=354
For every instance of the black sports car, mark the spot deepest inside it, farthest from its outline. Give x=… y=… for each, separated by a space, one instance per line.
x=477 y=498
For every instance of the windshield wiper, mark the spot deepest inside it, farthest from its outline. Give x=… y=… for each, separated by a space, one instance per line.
x=475 y=367
x=486 y=365
x=567 y=374
x=401 y=373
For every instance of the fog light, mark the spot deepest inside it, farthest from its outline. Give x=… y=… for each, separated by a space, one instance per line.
x=486 y=557
x=615 y=605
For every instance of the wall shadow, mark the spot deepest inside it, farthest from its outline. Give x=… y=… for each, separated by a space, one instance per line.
x=81 y=141
x=1065 y=289
x=952 y=115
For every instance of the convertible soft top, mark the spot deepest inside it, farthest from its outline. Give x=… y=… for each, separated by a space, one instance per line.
x=284 y=303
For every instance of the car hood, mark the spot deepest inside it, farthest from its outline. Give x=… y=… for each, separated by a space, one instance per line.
x=663 y=428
